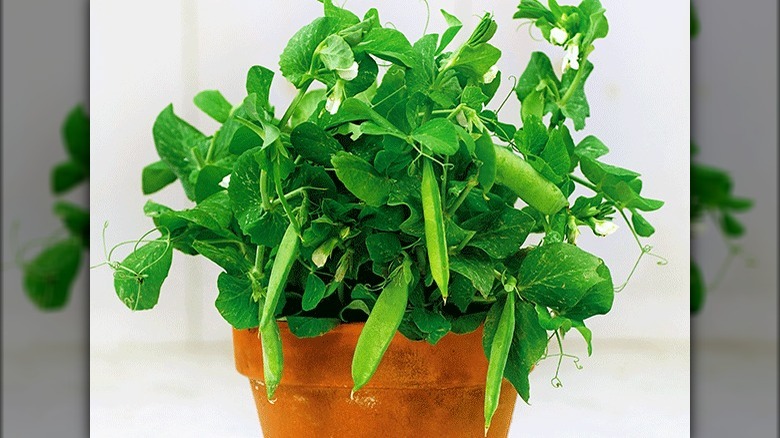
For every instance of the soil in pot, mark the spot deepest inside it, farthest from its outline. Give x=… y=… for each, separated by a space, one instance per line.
x=419 y=390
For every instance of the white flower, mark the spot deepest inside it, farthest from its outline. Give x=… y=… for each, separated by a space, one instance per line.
x=571 y=58
x=490 y=76
x=225 y=181
x=333 y=103
x=348 y=73
x=335 y=97
x=461 y=119
x=558 y=36
x=604 y=228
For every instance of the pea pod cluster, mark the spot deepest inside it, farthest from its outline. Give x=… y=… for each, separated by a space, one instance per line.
x=393 y=190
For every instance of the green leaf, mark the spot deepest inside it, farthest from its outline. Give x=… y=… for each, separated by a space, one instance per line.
x=296 y=59
x=599 y=27
x=561 y=275
x=361 y=179
x=213 y=103
x=383 y=247
x=556 y=155
x=245 y=196
x=308 y=105
x=358 y=306
x=343 y=17
x=75 y=218
x=532 y=9
x=258 y=82
x=75 y=131
x=177 y=142
x=475 y=61
x=155 y=177
x=307 y=327
x=539 y=74
x=212 y=213
x=313 y=292
x=641 y=225
x=433 y=324
x=731 y=226
x=439 y=136
x=453 y=27
x=48 y=278
x=461 y=292
x=314 y=144
x=141 y=274
x=67 y=175
x=208 y=181
x=353 y=110
x=336 y=54
x=591 y=147
x=388 y=44
x=500 y=233
x=468 y=323
x=473 y=97
x=228 y=256
x=268 y=132
x=475 y=266
x=576 y=108
x=235 y=302
x=587 y=335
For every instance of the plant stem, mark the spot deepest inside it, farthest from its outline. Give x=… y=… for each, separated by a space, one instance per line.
x=575 y=83
x=294 y=104
x=264 y=190
x=259 y=260
x=462 y=197
x=583 y=183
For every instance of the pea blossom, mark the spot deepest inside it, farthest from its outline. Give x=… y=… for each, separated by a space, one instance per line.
x=604 y=227
x=348 y=74
x=571 y=58
x=491 y=74
x=558 y=36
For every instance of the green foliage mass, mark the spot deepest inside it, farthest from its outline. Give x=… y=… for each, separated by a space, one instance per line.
x=388 y=193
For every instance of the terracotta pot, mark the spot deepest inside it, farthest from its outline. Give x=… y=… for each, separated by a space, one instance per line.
x=419 y=390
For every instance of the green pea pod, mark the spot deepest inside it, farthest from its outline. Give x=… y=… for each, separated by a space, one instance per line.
x=273 y=361
x=528 y=184
x=382 y=324
x=499 y=351
x=285 y=257
x=435 y=239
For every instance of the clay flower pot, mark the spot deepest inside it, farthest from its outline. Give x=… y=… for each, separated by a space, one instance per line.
x=419 y=390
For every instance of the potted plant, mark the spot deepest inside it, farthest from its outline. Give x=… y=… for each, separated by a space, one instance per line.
x=397 y=256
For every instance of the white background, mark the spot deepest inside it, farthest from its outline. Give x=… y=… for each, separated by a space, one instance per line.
x=147 y=54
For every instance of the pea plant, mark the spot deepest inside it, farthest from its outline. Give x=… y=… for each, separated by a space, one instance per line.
x=712 y=197
x=388 y=192
x=48 y=277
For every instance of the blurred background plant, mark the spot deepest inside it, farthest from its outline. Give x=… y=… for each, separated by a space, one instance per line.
x=49 y=276
x=712 y=199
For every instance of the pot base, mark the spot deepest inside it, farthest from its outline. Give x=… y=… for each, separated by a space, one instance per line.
x=419 y=390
